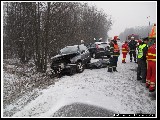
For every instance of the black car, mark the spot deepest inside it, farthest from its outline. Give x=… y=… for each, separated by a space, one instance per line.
x=99 y=50
x=71 y=59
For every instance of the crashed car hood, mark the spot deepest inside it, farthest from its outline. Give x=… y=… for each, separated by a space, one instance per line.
x=63 y=56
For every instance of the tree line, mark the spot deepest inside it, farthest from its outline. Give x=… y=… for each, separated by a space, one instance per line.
x=38 y=30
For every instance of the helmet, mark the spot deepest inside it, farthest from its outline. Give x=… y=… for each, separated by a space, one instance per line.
x=139 y=41
x=115 y=37
x=126 y=42
x=145 y=39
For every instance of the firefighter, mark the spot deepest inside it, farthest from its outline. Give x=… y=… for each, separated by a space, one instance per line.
x=151 y=71
x=114 y=52
x=124 y=51
x=132 y=48
x=141 y=60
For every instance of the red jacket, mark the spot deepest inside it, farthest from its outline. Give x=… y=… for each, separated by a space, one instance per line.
x=125 y=48
x=151 y=54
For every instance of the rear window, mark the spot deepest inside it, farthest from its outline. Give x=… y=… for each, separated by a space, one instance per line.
x=102 y=45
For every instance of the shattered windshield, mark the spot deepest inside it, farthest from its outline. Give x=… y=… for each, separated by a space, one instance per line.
x=69 y=49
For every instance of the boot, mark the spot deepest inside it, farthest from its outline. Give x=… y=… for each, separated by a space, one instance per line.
x=123 y=61
x=151 y=90
x=114 y=69
x=147 y=86
x=143 y=81
x=110 y=69
x=139 y=78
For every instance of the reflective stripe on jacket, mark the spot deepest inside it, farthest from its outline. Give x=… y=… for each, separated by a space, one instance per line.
x=114 y=49
x=124 y=48
x=152 y=53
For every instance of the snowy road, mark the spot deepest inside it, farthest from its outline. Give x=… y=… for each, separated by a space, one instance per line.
x=119 y=92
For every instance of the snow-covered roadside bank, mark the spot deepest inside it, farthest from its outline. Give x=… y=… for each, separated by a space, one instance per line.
x=118 y=91
x=20 y=84
x=16 y=96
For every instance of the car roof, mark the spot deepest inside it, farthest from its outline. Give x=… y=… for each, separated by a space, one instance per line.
x=75 y=45
x=72 y=46
x=100 y=42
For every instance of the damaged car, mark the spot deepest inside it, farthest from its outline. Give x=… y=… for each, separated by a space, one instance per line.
x=99 y=50
x=71 y=59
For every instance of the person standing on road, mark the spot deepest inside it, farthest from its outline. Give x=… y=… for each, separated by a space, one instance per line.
x=132 y=48
x=142 y=64
x=124 y=51
x=151 y=71
x=114 y=52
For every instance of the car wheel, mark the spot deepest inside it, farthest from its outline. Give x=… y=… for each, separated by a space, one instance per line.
x=55 y=73
x=52 y=75
x=80 y=67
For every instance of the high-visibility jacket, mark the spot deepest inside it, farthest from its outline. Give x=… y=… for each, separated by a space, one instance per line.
x=125 y=48
x=151 y=54
x=141 y=51
x=114 y=49
x=153 y=32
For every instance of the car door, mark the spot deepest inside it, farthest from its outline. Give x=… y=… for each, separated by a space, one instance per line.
x=87 y=54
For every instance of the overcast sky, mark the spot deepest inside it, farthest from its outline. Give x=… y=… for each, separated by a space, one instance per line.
x=128 y=14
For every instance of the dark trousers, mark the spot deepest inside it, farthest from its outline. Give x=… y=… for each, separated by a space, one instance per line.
x=142 y=69
x=134 y=55
x=113 y=63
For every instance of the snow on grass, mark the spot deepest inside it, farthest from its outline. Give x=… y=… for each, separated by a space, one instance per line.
x=18 y=80
x=20 y=103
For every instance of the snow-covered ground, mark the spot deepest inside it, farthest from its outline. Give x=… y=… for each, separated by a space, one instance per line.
x=118 y=91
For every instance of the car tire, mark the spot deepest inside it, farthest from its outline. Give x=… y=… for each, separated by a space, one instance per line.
x=53 y=74
x=80 y=67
